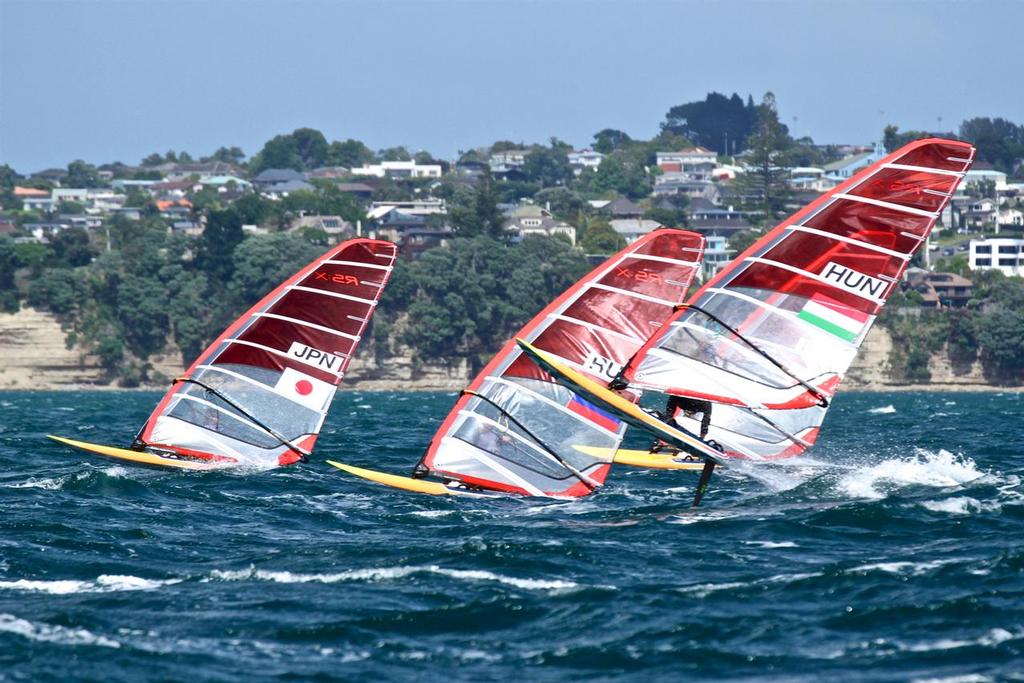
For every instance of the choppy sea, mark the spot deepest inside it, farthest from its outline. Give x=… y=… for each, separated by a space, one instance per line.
x=895 y=552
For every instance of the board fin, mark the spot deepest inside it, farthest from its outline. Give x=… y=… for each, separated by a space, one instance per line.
x=142 y=457
x=433 y=488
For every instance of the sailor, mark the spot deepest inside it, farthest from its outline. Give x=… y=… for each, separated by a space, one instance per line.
x=681 y=406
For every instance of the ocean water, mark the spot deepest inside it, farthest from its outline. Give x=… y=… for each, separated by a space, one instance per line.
x=893 y=553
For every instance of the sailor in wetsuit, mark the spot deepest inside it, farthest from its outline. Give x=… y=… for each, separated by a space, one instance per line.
x=688 y=407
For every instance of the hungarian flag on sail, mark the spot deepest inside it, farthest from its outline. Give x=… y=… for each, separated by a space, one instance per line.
x=834 y=317
x=592 y=413
x=303 y=389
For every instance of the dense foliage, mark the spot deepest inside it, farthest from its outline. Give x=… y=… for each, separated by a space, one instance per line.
x=990 y=329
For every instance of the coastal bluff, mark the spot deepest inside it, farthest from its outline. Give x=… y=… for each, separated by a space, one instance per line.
x=34 y=356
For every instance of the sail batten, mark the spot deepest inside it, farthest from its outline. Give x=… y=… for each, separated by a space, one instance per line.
x=260 y=392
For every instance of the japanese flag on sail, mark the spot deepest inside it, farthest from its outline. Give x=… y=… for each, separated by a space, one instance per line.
x=303 y=389
x=833 y=317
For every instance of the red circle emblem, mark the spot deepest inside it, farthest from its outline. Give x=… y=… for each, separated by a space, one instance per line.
x=304 y=387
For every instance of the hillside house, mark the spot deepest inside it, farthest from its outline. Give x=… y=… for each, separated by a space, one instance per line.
x=1000 y=253
x=632 y=229
x=583 y=159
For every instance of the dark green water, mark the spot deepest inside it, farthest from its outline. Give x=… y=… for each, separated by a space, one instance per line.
x=893 y=554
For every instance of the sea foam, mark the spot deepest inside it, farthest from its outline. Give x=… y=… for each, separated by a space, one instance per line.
x=925 y=468
x=390 y=573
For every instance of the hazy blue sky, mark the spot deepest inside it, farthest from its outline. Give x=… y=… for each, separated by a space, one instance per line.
x=104 y=80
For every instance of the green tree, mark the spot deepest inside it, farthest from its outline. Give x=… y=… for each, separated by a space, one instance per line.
x=1001 y=335
x=615 y=176
x=476 y=212
x=720 y=123
x=608 y=140
x=73 y=247
x=81 y=174
x=768 y=144
x=600 y=238
x=999 y=142
x=350 y=153
x=222 y=235
x=548 y=166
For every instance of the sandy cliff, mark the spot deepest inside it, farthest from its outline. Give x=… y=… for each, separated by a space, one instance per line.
x=33 y=355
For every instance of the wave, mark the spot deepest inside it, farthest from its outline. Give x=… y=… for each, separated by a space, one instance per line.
x=53 y=634
x=901 y=568
x=771 y=544
x=390 y=573
x=884 y=410
x=925 y=468
x=992 y=638
x=106 y=583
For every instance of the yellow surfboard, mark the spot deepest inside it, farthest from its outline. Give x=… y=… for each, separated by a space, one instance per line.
x=624 y=409
x=638 y=458
x=142 y=457
x=433 y=488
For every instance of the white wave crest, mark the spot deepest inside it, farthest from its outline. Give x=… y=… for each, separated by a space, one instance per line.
x=990 y=639
x=390 y=573
x=905 y=568
x=106 y=583
x=884 y=410
x=771 y=544
x=960 y=505
x=53 y=634
x=925 y=468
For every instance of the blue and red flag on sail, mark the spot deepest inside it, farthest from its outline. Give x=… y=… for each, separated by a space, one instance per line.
x=592 y=413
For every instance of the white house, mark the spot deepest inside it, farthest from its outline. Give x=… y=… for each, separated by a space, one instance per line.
x=509 y=158
x=414 y=207
x=1001 y=253
x=689 y=160
x=583 y=159
x=633 y=229
x=976 y=177
x=399 y=169
x=848 y=166
x=716 y=255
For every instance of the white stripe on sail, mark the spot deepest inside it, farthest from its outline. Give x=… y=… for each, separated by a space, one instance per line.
x=849 y=240
x=305 y=323
x=466 y=449
x=357 y=263
x=634 y=295
x=886 y=205
x=314 y=290
x=925 y=169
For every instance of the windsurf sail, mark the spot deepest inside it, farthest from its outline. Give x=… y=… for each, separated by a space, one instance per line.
x=769 y=338
x=514 y=429
x=259 y=393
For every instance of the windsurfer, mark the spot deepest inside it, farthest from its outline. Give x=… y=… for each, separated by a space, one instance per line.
x=681 y=406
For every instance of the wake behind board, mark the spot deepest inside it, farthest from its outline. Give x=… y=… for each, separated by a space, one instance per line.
x=431 y=488
x=646 y=459
x=624 y=409
x=141 y=457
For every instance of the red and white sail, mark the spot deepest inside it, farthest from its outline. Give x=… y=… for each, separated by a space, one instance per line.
x=514 y=429
x=259 y=393
x=769 y=339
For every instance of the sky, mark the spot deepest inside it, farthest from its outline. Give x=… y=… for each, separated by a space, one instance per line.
x=105 y=80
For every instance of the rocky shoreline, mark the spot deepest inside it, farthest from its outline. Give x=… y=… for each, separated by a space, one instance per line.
x=35 y=358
